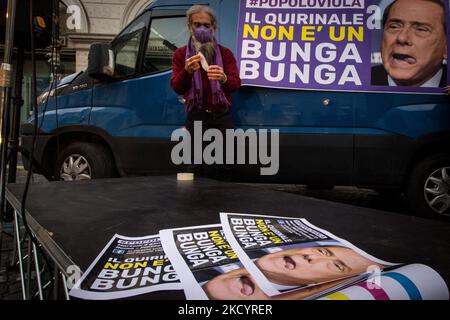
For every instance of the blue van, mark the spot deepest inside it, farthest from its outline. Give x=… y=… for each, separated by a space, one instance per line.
x=110 y=126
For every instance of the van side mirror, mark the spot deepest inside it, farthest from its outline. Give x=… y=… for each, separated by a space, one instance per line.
x=100 y=61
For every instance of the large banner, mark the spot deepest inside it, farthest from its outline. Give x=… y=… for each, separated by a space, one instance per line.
x=344 y=45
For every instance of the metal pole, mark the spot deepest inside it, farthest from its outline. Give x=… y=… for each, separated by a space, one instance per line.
x=66 y=291
x=15 y=122
x=19 y=252
x=56 y=283
x=5 y=85
x=12 y=148
x=28 y=277
x=38 y=272
x=13 y=259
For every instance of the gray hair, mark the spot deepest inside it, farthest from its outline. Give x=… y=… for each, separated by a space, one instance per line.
x=201 y=9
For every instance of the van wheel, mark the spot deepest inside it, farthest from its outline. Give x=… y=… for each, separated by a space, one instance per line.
x=84 y=161
x=428 y=190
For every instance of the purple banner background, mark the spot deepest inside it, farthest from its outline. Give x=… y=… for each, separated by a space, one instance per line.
x=364 y=48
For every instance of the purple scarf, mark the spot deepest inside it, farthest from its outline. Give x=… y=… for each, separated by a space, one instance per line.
x=195 y=94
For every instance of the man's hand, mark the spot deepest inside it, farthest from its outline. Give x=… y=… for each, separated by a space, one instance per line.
x=193 y=64
x=217 y=73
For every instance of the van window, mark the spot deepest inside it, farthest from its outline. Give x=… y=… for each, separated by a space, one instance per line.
x=166 y=35
x=126 y=48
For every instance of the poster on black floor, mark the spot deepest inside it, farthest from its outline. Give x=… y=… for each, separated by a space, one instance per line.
x=209 y=269
x=284 y=254
x=127 y=267
x=202 y=257
x=330 y=268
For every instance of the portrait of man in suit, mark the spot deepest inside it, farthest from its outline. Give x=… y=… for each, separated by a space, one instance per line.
x=413 y=45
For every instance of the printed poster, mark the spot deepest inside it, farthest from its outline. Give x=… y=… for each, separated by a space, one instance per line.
x=127 y=267
x=209 y=267
x=409 y=282
x=201 y=254
x=284 y=254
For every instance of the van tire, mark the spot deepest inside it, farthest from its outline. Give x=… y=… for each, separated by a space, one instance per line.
x=418 y=197
x=93 y=159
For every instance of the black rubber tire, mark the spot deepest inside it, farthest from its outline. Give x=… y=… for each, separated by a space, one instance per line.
x=414 y=191
x=99 y=159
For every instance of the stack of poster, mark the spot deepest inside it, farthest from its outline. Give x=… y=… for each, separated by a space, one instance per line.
x=253 y=257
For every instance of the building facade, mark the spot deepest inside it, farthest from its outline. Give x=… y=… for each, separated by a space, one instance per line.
x=86 y=21
x=81 y=23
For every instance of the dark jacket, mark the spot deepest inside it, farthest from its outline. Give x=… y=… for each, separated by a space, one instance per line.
x=181 y=80
x=380 y=76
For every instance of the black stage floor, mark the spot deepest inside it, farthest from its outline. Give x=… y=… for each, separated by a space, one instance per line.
x=83 y=216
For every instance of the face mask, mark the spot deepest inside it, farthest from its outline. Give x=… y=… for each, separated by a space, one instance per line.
x=203 y=34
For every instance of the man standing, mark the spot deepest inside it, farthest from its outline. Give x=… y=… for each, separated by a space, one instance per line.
x=205 y=73
x=414 y=45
